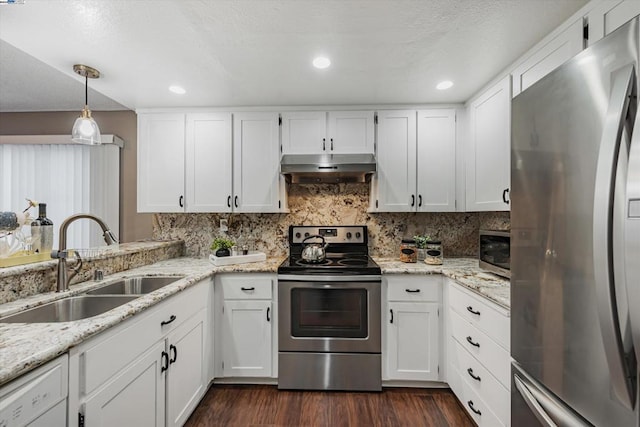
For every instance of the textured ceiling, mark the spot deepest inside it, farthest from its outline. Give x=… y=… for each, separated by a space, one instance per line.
x=259 y=52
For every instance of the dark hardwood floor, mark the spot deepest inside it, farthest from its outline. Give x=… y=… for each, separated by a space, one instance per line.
x=239 y=405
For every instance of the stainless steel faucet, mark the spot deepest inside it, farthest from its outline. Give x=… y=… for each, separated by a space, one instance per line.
x=61 y=253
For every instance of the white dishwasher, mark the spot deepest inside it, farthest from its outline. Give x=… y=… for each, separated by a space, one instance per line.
x=38 y=398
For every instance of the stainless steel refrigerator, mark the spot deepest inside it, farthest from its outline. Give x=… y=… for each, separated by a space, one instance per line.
x=575 y=241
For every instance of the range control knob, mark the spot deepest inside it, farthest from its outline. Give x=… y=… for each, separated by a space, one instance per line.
x=298 y=235
x=306 y=234
x=358 y=234
x=348 y=234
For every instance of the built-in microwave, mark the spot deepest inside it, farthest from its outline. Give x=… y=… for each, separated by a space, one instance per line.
x=495 y=252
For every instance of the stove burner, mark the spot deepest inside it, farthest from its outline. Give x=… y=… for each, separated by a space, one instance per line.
x=305 y=262
x=355 y=262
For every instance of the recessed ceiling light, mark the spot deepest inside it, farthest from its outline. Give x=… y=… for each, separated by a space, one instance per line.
x=177 y=89
x=446 y=84
x=321 y=62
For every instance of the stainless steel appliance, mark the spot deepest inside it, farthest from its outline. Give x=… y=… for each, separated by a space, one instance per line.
x=329 y=313
x=494 y=252
x=575 y=240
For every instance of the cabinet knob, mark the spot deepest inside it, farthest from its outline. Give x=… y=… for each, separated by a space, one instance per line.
x=472 y=311
x=391 y=311
x=268 y=314
x=165 y=361
x=505 y=193
x=324 y=148
x=331 y=144
x=166 y=322
x=181 y=201
x=172 y=348
x=470 y=341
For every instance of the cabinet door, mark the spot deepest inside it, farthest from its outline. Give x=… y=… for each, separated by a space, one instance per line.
x=186 y=382
x=437 y=160
x=396 y=176
x=246 y=344
x=256 y=162
x=488 y=155
x=135 y=397
x=304 y=132
x=412 y=341
x=208 y=166
x=608 y=16
x=161 y=162
x=564 y=46
x=351 y=132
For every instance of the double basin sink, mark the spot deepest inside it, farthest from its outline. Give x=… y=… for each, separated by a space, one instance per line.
x=94 y=302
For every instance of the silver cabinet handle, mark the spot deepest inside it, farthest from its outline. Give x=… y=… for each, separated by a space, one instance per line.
x=603 y=238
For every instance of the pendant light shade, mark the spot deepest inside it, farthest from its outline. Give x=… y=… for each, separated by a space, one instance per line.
x=85 y=129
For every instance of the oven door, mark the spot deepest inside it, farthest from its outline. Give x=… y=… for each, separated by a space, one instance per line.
x=329 y=314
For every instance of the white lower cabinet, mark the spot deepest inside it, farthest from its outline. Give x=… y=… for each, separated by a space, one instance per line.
x=151 y=370
x=413 y=332
x=246 y=325
x=246 y=340
x=478 y=368
x=136 y=396
x=412 y=350
x=187 y=368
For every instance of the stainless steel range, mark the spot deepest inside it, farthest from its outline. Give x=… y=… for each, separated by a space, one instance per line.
x=329 y=312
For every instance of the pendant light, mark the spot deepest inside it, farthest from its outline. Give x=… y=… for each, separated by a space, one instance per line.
x=85 y=129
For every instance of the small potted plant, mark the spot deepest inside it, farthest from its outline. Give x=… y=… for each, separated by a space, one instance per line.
x=222 y=246
x=421 y=244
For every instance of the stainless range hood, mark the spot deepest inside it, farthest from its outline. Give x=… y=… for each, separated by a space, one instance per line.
x=327 y=168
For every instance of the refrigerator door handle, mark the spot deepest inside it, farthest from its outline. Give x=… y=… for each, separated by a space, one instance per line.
x=533 y=403
x=621 y=378
x=632 y=231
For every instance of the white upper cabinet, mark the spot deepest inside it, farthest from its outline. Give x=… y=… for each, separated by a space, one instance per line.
x=609 y=15
x=304 y=132
x=319 y=132
x=208 y=163
x=191 y=163
x=541 y=62
x=436 y=160
x=416 y=161
x=351 y=132
x=488 y=153
x=396 y=176
x=161 y=166
x=256 y=163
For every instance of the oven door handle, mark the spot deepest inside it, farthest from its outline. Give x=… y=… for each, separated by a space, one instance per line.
x=329 y=278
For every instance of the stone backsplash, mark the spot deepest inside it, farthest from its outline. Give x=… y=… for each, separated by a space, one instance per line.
x=331 y=204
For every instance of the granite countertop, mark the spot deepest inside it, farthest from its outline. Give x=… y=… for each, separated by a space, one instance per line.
x=26 y=346
x=465 y=271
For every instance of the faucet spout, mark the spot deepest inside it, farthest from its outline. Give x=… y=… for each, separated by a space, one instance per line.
x=61 y=253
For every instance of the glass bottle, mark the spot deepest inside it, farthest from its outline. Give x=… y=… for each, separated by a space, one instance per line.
x=42 y=231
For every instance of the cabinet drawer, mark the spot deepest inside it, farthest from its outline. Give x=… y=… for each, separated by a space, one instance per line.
x=480 y=346
x=104 y=356
x=488 y=388
x=247 y=287
x=482 y=314
x=483 y=415
x=414 y=288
